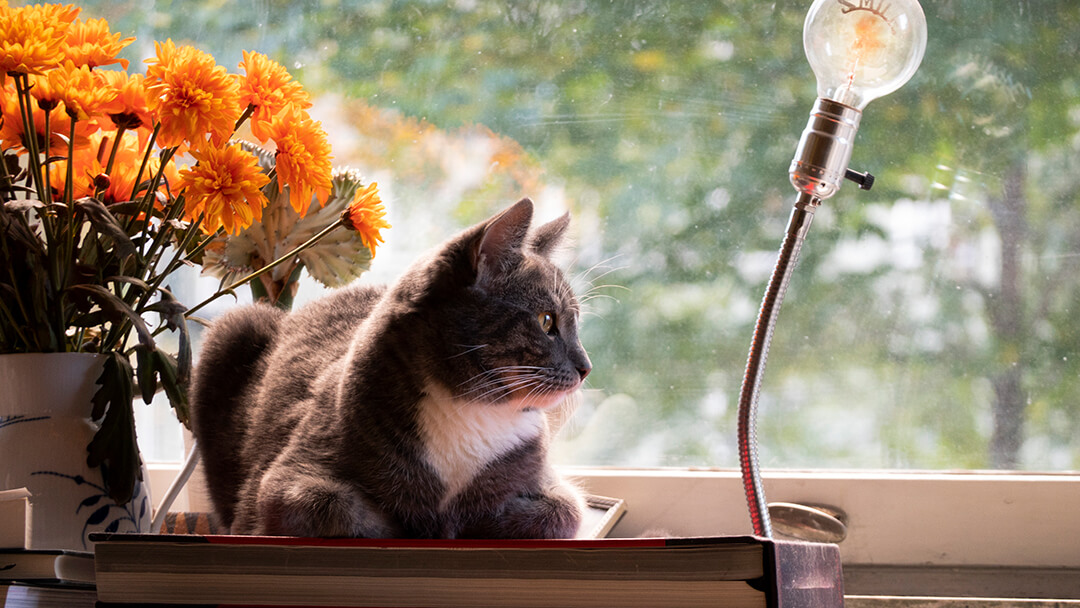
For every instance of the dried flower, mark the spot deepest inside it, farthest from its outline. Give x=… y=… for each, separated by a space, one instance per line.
x=366 y=215
x=192 y=95
x=91 y=44
x=226 y=186
x=303 y=158
x=31 y=37
x=269 y=89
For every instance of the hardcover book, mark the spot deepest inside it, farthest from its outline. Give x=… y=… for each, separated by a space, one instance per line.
x=672 y=572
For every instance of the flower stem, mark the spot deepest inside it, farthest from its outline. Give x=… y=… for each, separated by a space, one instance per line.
x=205 y=243
x=48 y=165
x=281 y=260
x=6 y=184
x=248 y=111
x=22 y=86
x=120 y=129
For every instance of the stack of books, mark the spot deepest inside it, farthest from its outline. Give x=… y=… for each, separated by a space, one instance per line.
x=34 y=577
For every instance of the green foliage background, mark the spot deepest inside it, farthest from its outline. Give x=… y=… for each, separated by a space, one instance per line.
x=931 y=321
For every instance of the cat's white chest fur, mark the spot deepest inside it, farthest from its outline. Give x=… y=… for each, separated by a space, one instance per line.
x=461 y=438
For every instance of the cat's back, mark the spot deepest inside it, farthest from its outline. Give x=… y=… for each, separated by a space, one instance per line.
x=311 y=341
x=329 y=321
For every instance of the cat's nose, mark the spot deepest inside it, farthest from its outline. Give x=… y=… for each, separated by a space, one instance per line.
x=584 y=370
x=581 y=362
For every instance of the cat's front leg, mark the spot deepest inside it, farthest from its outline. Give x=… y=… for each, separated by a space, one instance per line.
x=299 y=503
x=555 y=511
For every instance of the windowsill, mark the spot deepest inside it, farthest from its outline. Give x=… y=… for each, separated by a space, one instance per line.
x=909 y=533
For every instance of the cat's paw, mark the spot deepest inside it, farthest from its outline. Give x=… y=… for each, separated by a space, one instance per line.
x=556 y=513
x=305 y=505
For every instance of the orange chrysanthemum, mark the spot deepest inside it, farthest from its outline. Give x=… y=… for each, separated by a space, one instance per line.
x=130 y=108
x=366 y=215
x=303 y=158
x=42 y=90
x=90 y=43
x=268 y=87
x=192 y=95
x=31 y=37
x=86 y=168
x=226 y=186
x=81 y=90
x=125 y=168
x=12 y=134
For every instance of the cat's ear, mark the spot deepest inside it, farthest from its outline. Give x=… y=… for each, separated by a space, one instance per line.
x=501 y=237
x=547 y=237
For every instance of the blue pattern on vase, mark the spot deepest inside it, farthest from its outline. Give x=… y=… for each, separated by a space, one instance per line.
x=6 y=421
x=109 y=510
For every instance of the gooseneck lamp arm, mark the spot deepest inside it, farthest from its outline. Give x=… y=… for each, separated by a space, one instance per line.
x=859 y=50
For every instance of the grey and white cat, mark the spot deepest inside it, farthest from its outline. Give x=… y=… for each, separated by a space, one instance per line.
x=415 y=410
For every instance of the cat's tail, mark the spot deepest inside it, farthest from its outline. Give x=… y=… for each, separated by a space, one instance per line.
x=230 y=365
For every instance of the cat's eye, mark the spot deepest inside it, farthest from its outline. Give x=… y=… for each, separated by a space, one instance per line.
x=547 y=322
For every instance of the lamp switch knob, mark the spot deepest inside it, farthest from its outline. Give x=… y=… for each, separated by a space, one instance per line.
x=865 y=180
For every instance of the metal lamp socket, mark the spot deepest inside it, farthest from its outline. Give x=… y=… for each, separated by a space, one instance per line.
x=824 y=151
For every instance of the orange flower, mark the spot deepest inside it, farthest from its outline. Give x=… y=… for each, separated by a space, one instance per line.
x=90 y=43
x=130 y=108
x=226 y=186
x=366 y=215
x=41 y=90
x=31 y=37
x=303 y=158
x=192 y=95
x=80 y=89
x=12 y=134
x=268 y=88
x=86 y=168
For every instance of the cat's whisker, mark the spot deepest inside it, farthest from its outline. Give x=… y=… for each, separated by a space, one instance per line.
x=469 y=348
x=583 y=276
x=513 y=384
x=595 y=296
x=507 y=388
x=497 y=382
x=606 y=273
x=500 y=370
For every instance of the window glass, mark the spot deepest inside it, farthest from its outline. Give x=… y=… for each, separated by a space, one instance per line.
x=931 y=322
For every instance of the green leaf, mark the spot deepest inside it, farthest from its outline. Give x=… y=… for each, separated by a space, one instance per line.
x=105 y=223
x=145 y=372
x=177 y=393
x=117 y=308
x=114 y=447
x=141 y=284
x=173 y=312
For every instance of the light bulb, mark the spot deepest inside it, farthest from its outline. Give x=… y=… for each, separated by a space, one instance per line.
x=863 y=49
x=859 y=50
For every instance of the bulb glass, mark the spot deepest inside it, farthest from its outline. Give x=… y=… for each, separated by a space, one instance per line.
x=863 y=49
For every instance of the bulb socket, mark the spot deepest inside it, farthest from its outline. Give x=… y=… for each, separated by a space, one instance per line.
x=822 y=158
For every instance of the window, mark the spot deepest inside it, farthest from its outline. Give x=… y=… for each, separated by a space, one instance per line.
x=931 y=323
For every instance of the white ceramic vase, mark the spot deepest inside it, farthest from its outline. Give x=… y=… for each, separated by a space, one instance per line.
x=45 y=404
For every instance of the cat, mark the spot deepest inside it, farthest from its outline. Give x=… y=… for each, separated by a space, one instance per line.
x=415 y=410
